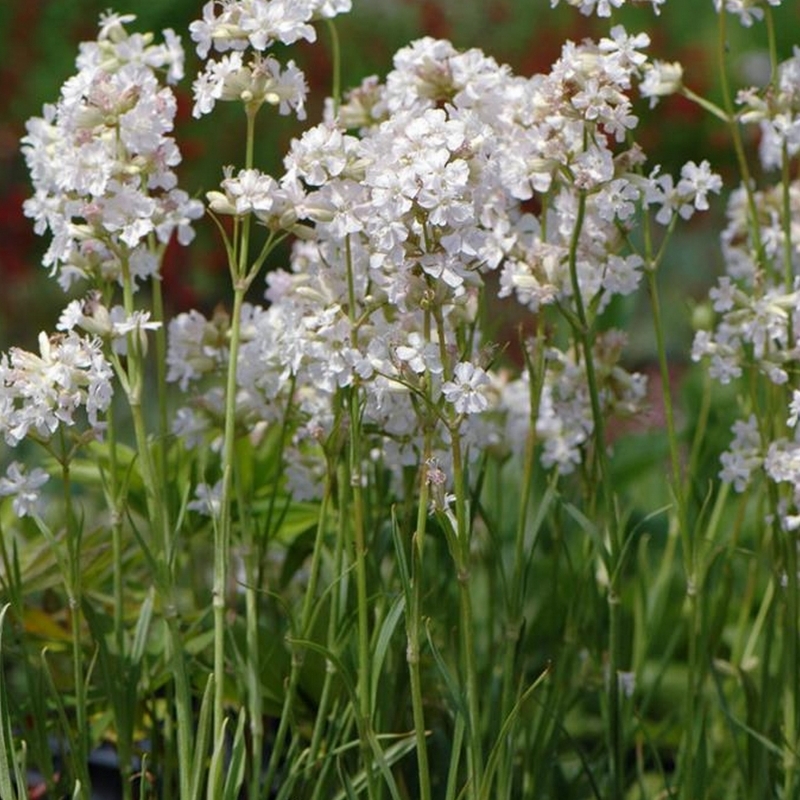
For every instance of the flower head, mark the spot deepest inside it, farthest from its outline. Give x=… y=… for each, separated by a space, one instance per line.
x=465 y=390
x=23 y=487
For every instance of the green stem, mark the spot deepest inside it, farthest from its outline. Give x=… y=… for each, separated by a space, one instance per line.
x=255 y=700
x=223 y=526
x=334 y=623
x=792 y=673
x=738 y=144
x=74 y=590
x=536 y=374
x=223 y=522
x=161 y=377
x=467 y=623
x=124 y=736
x=462 y=557
x=358 y=533
x=336 y=58
x=413 y=618
x=159 y=520
x=306 y=615
x=116 y=530
x=584 y=332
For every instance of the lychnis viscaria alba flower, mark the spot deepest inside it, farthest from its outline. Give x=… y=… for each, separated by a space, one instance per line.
x=102 y=160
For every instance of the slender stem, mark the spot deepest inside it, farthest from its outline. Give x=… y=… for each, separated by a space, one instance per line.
x=738 y=144
x=124 y=734
x=161 y=377
x=584 y=333
x=116 y=530
x=222 y=528
x=306 y=615
x=358 y=534
x=223 y=522
x=157 y=515
x=414 y=613
x=334 y=622
x=669 y=415
x=336 y=57
x=689 y=555
x=536 y=374
x=73 y=585
x=255 y=700
x=467 y=624
x=792 y=670
x=462 y=557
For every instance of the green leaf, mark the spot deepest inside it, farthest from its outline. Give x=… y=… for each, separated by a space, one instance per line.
x=142 y=629
x=384 y=638
x=497 y=749
x=215 y=769
x=235 y=778
x=201 y=744
x=8 y=763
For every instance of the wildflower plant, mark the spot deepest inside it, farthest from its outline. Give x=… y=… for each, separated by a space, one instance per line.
x=338 y=513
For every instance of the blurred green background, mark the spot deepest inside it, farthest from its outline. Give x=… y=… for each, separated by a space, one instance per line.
x=38 y=43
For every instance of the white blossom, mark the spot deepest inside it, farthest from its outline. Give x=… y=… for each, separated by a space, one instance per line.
x=23 y=487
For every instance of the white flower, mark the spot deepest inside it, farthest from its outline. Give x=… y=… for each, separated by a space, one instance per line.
x=623 y=50
x=622 y=275
x=249 y=192
x=464 y=392
x=661 y=78
x=420 y=355
x=24 y=488
x=744 y=455
x=627 y=682
x=41 y=392
x=794 y=409
x=208 y=499
x=587 y=7
x=748 y=11
x=102 y=159
x=259 y=23
x=697 y=180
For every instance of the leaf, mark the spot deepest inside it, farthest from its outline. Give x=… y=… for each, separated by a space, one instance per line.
x=215 y=769
x=201 y=744
x=235 y=778
x=497 y=749
x=142 y=629
x=8 y=765
x=40 y=623
x=382 y=644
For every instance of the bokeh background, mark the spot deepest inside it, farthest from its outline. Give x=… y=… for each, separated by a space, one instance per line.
x=38 y=45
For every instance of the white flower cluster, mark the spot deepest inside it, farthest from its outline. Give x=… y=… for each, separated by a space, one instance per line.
x=236 y=26
x=757 y=300
x=747 y=456
x=564 y=424
x=777 y=112
x=40 y=393
x=748 y=11
x=101 y=159
x=403 y=199
x=114 y=324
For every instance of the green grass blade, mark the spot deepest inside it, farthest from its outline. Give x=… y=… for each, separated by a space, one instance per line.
x=8 y=763
x=201 y=743
x=235 y=778
x=382 y=643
